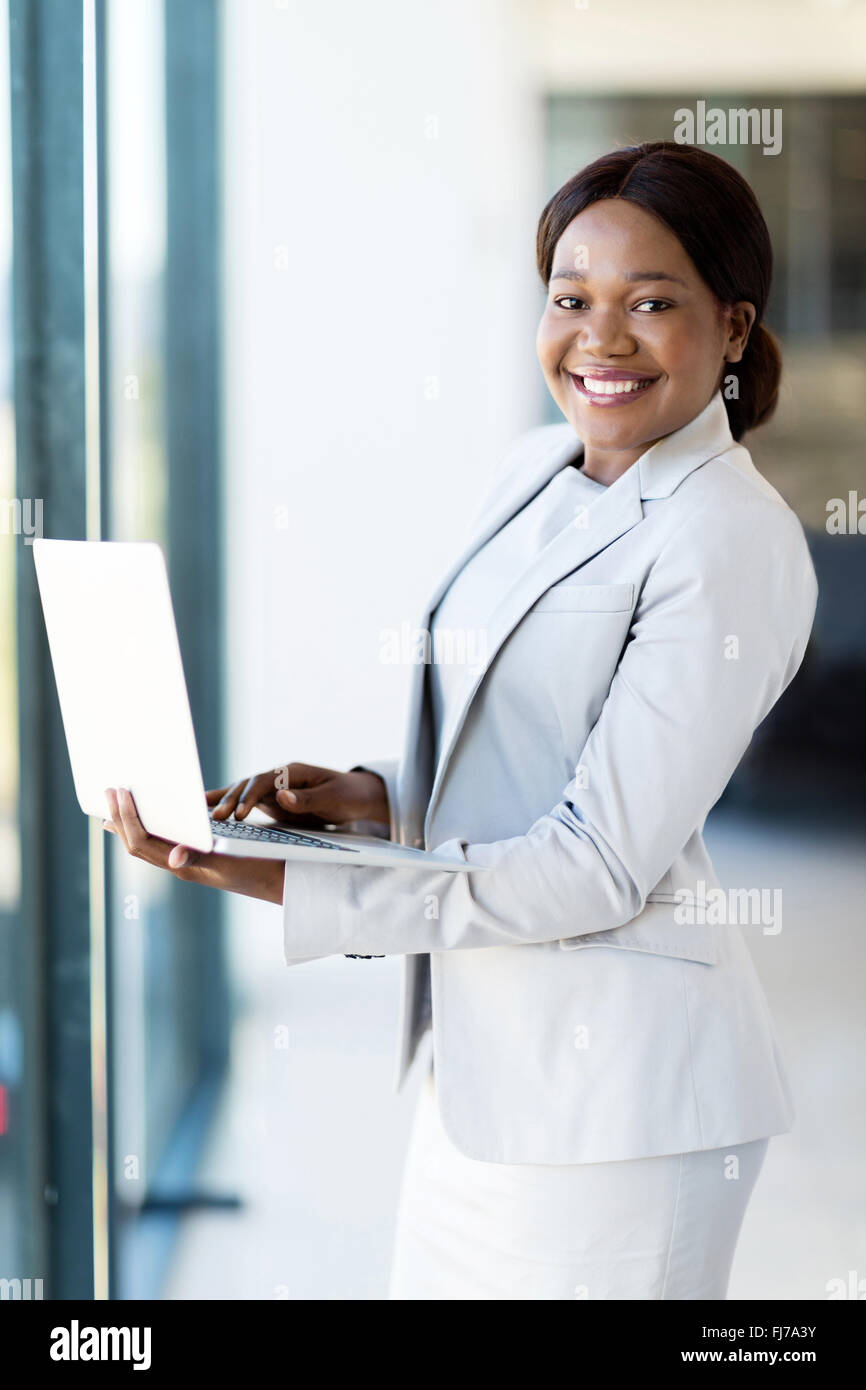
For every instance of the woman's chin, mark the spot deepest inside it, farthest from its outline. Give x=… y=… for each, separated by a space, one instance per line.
x=608 y=434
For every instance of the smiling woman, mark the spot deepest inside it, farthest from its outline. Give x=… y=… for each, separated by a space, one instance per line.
x=652 y=302
x=602 y=1069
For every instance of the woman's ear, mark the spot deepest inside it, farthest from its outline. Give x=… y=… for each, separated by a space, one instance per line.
x=741 y=317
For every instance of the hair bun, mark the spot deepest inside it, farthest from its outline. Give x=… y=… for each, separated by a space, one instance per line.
x=758 y=375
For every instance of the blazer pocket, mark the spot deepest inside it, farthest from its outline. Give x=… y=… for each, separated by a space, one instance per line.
x=586 y=598
x=656 y=933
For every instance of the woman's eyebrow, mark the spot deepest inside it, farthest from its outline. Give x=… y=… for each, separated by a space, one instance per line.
x=631 y=276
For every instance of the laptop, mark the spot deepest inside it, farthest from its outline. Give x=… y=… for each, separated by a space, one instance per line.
x=126 y=714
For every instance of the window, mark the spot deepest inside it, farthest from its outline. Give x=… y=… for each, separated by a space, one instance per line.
x=17 y=1261
x=113 y=1001
x=813 y=196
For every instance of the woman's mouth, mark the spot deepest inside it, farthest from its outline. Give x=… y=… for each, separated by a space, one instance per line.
x=612 y=388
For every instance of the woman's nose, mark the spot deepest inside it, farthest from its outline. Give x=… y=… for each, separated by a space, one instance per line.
x=605 y=334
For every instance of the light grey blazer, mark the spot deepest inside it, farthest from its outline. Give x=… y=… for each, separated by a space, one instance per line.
x=576 y=1017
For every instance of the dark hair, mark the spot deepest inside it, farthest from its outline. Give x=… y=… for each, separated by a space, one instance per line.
x=713 y=212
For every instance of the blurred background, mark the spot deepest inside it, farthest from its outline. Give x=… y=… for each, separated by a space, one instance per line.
x=268 y=296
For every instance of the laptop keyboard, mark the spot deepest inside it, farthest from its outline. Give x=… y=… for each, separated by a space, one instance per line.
x=239 y=830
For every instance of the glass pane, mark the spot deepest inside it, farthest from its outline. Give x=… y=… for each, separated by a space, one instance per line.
x=144 y=1093
x=12 y=1137
x=155 y=999
x=136 y=267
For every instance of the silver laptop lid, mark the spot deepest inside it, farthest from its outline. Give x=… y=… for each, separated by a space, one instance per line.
x=120 y=682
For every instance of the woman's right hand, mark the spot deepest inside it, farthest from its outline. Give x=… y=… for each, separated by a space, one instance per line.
x=300 y=795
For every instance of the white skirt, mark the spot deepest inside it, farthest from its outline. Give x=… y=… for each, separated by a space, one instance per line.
x=647 y=1228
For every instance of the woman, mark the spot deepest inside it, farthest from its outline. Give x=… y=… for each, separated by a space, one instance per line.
x=606 y=1076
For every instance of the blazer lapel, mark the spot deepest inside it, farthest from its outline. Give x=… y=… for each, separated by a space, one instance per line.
x=514 y=495
x=656 y=474
x=608 y=516
x=416 y=772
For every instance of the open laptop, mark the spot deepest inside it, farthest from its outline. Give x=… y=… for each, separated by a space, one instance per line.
x=126 y=715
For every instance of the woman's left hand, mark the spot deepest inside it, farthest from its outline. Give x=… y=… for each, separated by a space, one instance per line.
x=255 y=878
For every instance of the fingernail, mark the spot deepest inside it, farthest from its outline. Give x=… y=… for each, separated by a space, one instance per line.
x=178 y=858
x=289 y=796
x=241 y=806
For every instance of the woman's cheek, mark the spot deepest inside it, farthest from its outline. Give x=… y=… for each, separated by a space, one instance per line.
x=551 y=348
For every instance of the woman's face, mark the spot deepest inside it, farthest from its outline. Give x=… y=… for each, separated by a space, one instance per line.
x=632 y=341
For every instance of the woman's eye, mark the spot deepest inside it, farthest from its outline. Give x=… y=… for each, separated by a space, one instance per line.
x=571 y=302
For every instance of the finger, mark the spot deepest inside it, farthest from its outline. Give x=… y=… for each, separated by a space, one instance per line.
x=215 y=795
x=257 y=789
x=140 y=844
x=229 y=800
x=320 y=800
x=126 y=825
x=106 y=825
x=182 y=857
x=114 y=816
x=297 y=778
x=305 y=774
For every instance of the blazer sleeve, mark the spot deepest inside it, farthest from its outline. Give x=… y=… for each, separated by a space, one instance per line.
x=720 y=630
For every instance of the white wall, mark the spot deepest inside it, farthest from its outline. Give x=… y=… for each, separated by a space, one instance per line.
x=392 y=162
x=406 y=258
x=679 y=46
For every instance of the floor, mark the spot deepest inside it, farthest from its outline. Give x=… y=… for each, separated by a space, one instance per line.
x=311 y=1135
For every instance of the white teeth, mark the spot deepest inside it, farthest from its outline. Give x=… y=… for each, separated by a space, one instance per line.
x=612 y=388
